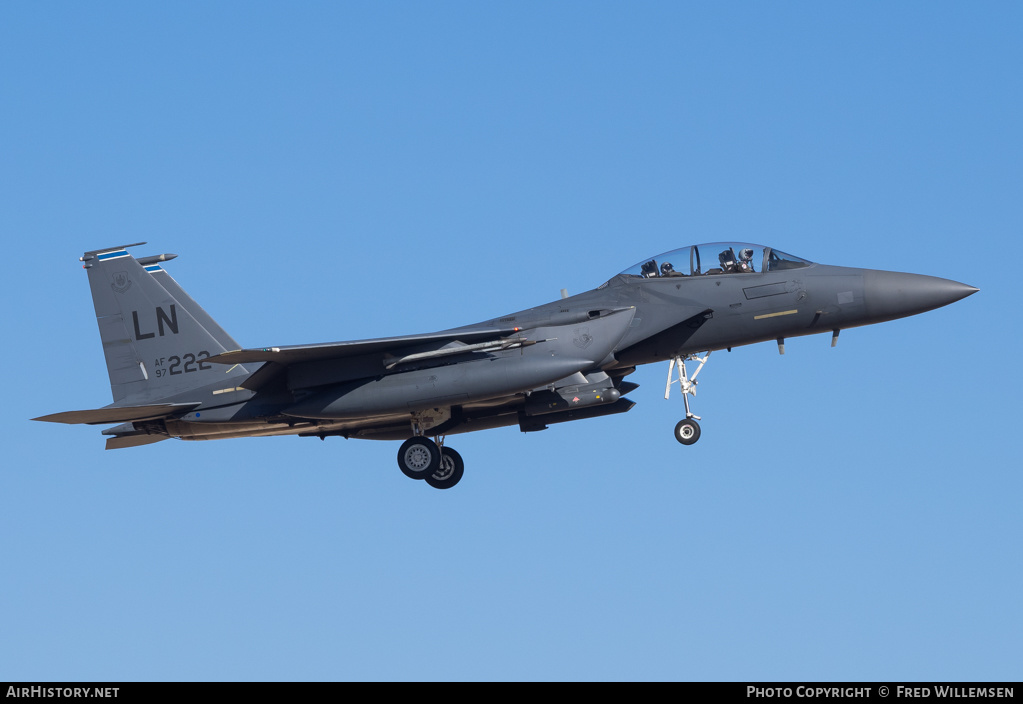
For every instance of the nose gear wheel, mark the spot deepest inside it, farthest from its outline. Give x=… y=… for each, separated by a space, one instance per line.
x=687 y=431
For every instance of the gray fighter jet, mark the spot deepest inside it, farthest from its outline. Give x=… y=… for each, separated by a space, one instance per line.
x=175 y=373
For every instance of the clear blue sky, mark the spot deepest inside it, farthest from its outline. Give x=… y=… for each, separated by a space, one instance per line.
x=331 y=171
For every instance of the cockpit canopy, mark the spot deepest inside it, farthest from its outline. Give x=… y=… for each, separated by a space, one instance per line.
x=716 y=258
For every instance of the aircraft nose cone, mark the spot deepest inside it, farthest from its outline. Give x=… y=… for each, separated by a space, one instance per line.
x=890 y=294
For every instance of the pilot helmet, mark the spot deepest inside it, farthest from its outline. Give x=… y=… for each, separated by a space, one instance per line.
x=746 y=254
x=667 y=268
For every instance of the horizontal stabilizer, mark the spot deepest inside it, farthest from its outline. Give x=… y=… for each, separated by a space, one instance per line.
x=336 y=350
x=122 y=414
x=123 y=441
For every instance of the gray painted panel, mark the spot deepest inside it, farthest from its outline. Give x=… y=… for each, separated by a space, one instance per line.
x=765 y=290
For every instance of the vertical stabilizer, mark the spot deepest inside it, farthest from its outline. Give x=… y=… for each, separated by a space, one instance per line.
x=198 y=312
x=154 y=346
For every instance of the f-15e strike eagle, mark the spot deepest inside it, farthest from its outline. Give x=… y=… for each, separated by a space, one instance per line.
x=175 y=373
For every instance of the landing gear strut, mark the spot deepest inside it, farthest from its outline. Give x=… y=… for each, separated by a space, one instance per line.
x=419 y=457
x=687 y=431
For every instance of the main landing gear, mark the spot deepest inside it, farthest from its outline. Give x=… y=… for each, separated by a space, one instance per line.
x=419 y=457
x=687 y=431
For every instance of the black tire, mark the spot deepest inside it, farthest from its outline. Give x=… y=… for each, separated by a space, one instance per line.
x=449 y=472
x=418 y=457
x=687 y=431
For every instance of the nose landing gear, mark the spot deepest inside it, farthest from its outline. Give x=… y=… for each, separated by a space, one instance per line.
x=687 y=431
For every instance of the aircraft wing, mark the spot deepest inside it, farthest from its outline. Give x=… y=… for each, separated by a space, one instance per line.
x=118 y=414
x=335 y=350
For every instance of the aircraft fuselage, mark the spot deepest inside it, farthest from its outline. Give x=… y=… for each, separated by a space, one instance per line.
x=174 y=372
